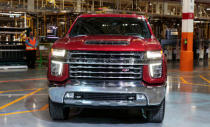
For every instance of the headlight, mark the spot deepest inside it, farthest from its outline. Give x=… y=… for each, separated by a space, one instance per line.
x=154 y=54
x=56 y=68
x=155 y=70
x=58 y=52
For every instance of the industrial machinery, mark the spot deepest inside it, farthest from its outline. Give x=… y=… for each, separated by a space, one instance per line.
x=51 y=35
x=12 y=48
x=171 y=44
x=45 y=44
x=108 y=60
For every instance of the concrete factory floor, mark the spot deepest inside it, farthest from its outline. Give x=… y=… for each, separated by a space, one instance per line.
x=24 y=103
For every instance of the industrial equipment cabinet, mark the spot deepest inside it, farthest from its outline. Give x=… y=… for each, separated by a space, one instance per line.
x=12 y=48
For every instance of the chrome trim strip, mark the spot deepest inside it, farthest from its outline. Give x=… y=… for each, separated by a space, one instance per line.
x=107 y=83
x=106 y=63
x=131 y=64
x=117 y=77
x=93 y=72
x=80 y=58
x=105 y=103
x=108 y=53
x=110 y=67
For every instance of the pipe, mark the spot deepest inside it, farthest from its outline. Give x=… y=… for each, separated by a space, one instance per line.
x=63 y=4
x=25 y=22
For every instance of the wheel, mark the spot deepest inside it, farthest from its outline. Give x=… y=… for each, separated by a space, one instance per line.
x=156 y=115
x=58 y=111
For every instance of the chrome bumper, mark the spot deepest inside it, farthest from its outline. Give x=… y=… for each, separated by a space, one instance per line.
x=153 y=94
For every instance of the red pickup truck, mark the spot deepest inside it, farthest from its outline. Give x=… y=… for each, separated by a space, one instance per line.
x=108 y=60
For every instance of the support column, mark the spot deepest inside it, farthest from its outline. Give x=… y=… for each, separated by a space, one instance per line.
x=157 y=8
x=93 y=5
x=79 y=6
x=101 y=3
x=63 y=4
x=186 y=57
x=30 y=5
x=45 y=25
x=165 y=5
x=117 y=4
x=37 y=26
x=25 y=21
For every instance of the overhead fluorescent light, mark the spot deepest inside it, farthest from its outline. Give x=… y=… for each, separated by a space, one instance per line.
x=63 y=11
x=10 y=14
x=19 y=12
x=198 y=21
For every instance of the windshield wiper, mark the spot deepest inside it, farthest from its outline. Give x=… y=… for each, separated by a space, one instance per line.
x=134 y=34
x=79 y=35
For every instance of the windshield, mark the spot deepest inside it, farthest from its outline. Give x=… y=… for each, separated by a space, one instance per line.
x=111 y=26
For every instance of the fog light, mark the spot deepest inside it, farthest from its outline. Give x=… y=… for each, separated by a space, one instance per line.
x=155 y=70
x=56 y=68
x=140 y=97
x=69 y=96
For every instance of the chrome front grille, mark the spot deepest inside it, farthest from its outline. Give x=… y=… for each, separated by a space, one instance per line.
x=105 y=65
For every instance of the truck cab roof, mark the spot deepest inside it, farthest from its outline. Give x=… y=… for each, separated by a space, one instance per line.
x=114 y=15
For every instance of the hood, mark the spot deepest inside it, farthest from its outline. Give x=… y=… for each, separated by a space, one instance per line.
x=107 y=43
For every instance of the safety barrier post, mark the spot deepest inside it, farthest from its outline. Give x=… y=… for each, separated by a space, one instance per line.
x=186 y=57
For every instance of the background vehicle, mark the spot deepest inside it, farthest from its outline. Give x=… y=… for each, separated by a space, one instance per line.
x=110 y=60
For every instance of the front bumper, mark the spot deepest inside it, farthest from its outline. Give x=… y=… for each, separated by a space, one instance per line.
x=154 y=95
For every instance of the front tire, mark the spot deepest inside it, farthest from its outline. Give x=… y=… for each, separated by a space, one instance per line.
x=157 y=115
x=58 y=111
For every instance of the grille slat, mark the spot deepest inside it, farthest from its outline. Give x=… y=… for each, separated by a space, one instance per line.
x=85 y=63
x=105 y=72
x=105 y=65
x=108 y=53
x=104 y=59
x=103 y=68
x=103 y=77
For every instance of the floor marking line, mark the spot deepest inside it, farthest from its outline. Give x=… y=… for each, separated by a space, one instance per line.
x=12 y=95
x=17 y=90
x=21 y=112
x=21 y=98
x=205 y=79
x=184 y=81
x=23 y=80
x=196 y=84
x=44 y=107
